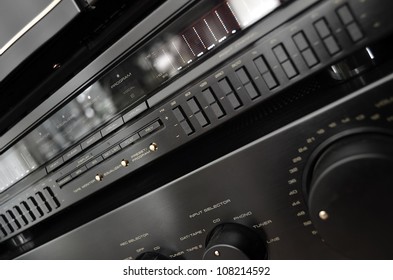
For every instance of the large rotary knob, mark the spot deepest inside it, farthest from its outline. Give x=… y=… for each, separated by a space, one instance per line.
x=350 y=196
x=232 y=241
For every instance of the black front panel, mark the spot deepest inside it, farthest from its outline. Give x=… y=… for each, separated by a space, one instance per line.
x=292 y=46
x=260 y=185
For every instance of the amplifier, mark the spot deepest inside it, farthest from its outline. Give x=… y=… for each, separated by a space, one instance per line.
x=298 y=192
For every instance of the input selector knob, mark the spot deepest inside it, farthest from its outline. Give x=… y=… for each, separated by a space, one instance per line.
x=232 y=241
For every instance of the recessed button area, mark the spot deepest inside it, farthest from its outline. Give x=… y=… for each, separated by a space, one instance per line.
x=213 y=103
x=328 y=39
x=181 y=118
x=197 y=111
x=286 y=63
x=231 y=96
x=266 y=72
x=248 y=85
x=306 y=51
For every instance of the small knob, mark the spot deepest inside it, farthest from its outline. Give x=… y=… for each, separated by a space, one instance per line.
x=153 y=147
x=99 y=177
x=125 y=163
x=234 y=242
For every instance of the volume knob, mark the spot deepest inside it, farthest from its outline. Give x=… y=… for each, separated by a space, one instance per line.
x=350 y=196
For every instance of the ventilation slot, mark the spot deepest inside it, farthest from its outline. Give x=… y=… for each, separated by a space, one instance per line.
x=36 y=207
x=21 y=215
x=52 y=196
x=27 y=209
x=8 y=227
x=13 y=220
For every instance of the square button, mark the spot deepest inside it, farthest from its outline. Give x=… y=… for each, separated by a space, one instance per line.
x=178 y=114
x=201 y=119
x=193 y=105
x=310 y=58
x=242 y=75
x=280 y=53
x=209 y=96
x=217 y=110
x=269 y=80
x=260 y=63
x=234 y=100
x=289 y=69
x=252 y=92
x=322 y=28
x=354 y=32
x=224 y=85
x=345 y=15
x=301 y=41
x=331 y=45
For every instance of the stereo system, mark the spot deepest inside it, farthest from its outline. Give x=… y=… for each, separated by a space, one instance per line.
x=317 y=187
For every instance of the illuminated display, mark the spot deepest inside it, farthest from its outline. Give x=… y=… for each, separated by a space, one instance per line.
x=181 y=44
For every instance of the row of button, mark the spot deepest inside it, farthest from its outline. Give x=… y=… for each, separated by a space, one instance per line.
x=97 y=136
x=227 y=88
x=110 y=152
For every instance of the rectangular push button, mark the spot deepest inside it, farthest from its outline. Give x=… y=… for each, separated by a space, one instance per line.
x=149 y=129
x=234 y=100
x=322 y=28
x=73 y=152
x=91 y=140
x=261 y=65
x=331 y=45
x=251 y=90
x=224 y=85
x=242 y=75
x=310 y=58
x=178 y=114
x=112 y=127
x=354 y=32
x=208 y=94
x=345 y=15
x=135 y=112
x=289 y=69
x=280 y=53
x=217 y=110
x=129 y=140
x=301 y=41
x=54 y=164
x=269 y=80
x=94 y=162
x=186 y=127
x=193 y=105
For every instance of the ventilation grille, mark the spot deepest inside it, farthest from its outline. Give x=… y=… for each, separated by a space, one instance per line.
x=27 y=212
